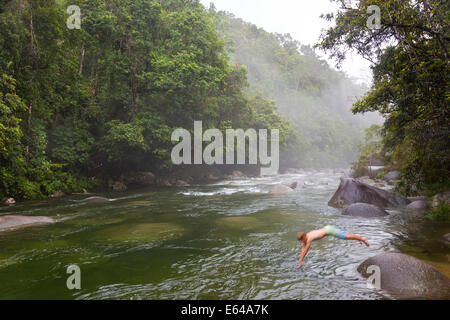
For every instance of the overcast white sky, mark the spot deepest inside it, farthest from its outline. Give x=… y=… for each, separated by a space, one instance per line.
x=300 y=18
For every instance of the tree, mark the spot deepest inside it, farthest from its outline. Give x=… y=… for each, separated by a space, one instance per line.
x=410 y=56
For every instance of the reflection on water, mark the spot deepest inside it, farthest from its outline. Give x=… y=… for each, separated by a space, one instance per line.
x=227 y=240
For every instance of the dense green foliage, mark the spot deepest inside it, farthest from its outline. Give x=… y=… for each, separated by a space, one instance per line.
x=439 y=214
x=314 y=97
x=83 y=105
x=411 y=77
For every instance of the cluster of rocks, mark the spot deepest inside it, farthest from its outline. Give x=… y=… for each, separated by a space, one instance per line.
x=399 y=273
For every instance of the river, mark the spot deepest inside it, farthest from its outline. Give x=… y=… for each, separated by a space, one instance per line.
x=217 y=241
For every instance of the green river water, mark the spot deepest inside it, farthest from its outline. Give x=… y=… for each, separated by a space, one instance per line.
x=217 y=241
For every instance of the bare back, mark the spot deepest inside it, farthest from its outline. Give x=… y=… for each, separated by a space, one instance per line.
x=316 y=235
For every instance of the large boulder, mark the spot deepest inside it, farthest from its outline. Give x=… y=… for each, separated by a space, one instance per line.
x=443 y=197
x=447 y=237
x=297 y=185
x=352 y=191
x=408 y=276
x=280 y=189
x=391 y=176
x=8 y=223
x=418 y=205
x=364 y=210
x=8 y=201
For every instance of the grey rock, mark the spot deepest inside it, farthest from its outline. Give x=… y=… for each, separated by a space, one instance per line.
x=364 y=210
x=238 y=174
x=182 y=183
x=443 y=197
x=352 y=191
x=408 y=276
x=280 y=189
x=213 y=177
x=8 y=201
x=419 y=205
x=391 y=176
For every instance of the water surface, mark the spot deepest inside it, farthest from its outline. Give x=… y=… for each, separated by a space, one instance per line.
x=227 y=240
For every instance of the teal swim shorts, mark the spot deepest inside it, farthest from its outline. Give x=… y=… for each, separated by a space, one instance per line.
x=335 y=232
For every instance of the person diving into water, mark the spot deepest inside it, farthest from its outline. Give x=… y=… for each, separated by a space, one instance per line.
x=308 y=238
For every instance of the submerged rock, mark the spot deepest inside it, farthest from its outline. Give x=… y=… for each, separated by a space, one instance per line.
x=352 y=191
x=213 y=177
x=239 y=223
x=406 y=275
x=391 y=176
x=20 y=222
x=140 y=232
x=297 y=185
x=364 y=210
x=280 y=189
x=182 y=183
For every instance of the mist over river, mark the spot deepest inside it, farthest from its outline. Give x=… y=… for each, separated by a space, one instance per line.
x=226 y=240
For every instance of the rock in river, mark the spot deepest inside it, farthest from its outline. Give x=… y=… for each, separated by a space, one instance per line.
x=364 y=210
x=419 y=205
x=19 y=222
x=280 y=189
x=443 y=197
x=352 y=191
x=408 y=276
x=7 y=201
x=391 y=176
